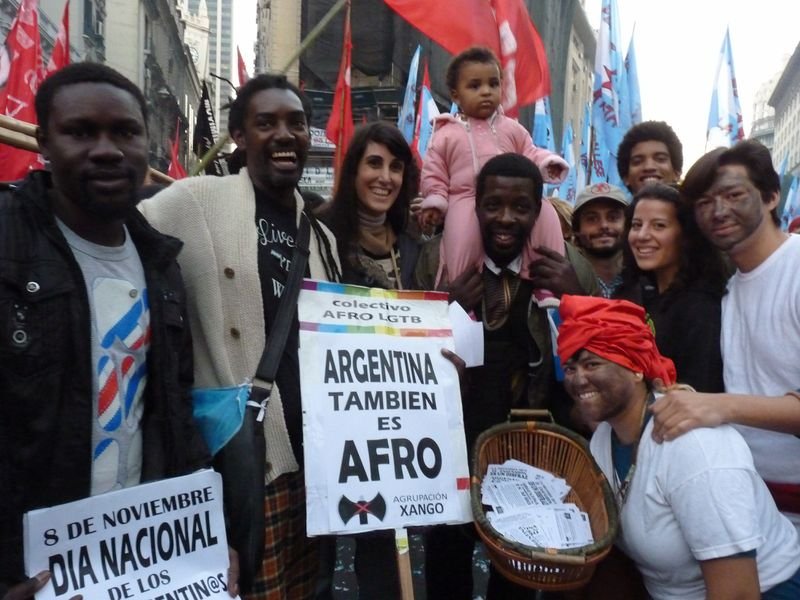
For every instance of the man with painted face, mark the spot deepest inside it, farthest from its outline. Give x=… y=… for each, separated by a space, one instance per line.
x=95 y=353
x=718 y=532
x=239 y=233
x=735 y=193
x=518 y=369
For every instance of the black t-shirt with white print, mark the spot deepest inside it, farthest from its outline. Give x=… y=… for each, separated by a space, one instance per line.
x=277 y=232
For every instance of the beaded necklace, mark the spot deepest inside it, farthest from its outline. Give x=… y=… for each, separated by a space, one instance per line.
x=622 y=489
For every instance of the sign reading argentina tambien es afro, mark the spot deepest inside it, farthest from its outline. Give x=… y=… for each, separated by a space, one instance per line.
x=383 y=428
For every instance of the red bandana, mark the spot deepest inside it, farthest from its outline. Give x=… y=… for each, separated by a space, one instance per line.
x=615 y=330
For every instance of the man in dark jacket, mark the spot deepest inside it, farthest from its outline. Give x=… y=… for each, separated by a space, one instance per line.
x=95 y=350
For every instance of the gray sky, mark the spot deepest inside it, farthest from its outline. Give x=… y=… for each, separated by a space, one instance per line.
x=677 y=47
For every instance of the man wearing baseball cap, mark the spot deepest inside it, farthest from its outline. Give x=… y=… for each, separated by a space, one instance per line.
x=598 y=224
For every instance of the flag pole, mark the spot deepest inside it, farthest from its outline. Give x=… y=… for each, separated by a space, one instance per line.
x=404 y=564
x=22 y=135
x=310 y=38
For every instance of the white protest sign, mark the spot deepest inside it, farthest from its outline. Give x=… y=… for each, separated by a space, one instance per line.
x=382 y=424
x=157 y=541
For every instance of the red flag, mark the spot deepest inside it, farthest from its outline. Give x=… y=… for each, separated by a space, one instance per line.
x=340 y=124
x=526 y=76
x=502 y=25
x=426 y=83
x=60 y=55
x=18 y=91
x=455 y=24
x=243 y=76
x=175 y=169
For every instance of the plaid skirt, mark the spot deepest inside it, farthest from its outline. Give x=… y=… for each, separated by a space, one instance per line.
x=290 y=566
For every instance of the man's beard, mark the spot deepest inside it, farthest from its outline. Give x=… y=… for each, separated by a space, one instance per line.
x=603 y=252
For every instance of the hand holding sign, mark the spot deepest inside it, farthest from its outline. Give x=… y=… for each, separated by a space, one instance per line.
x=26 y=589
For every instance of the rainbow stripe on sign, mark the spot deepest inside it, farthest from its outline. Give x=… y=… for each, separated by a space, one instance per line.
x=384 y=329
x=357 y=290
x=365 y=292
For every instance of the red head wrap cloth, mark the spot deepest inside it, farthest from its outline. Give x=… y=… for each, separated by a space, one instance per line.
x=614 y=330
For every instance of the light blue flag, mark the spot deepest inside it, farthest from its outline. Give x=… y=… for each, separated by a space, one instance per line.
x=543 y=125
x=568 y=188
x=633 y=84
x=623 y=93
x=427 y=112
x=405 y=120
x=586 y=134
x=609 y=82
x=725 y=126
x=600 y=157
x=791 y=208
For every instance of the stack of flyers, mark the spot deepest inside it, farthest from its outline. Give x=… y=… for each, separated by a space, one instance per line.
x=527 y=506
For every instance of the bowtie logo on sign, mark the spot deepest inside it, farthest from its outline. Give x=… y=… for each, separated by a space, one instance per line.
x=363 y=508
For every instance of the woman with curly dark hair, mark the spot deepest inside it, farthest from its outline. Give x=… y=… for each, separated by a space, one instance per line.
x=369 y=211
x=672 y=270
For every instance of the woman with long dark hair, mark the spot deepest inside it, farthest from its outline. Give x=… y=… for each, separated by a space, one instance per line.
x=368 y=216
x=679 y=278
x=369 y=211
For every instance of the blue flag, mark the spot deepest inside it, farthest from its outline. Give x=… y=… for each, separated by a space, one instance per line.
x=543 y=125
x=428 y=111
x=608 y=104
x=586 y=134
x=568 y=188
x=791 y=208
x=405 y=120
x=600 y=157
x=635 y=98
x=725 y=126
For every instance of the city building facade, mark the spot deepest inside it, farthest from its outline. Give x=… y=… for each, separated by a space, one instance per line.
x=221 y=54
x=197 y=35
x=87 y=25
x=785 y=99
x=149 y=49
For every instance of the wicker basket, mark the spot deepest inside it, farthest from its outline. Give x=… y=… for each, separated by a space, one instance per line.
x=563 y=453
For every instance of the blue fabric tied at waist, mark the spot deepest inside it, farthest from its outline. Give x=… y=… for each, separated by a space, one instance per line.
x=219 y=413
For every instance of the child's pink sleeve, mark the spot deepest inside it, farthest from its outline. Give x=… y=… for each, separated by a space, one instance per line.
x=543 y=159
x=435 y=180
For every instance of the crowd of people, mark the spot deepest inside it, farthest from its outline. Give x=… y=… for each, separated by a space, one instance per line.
x=680 y=304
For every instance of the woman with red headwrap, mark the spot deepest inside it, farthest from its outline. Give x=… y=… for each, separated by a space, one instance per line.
x=695 y=516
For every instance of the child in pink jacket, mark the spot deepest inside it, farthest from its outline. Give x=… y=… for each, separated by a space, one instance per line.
x=461 y=145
